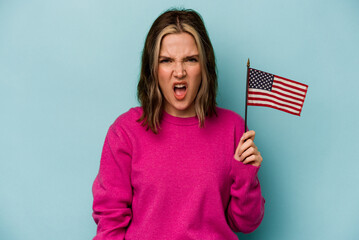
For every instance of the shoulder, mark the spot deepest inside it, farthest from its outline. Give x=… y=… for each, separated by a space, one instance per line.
x=127 y=120
x=130 y=115
x=230 y=121
x=229 y=116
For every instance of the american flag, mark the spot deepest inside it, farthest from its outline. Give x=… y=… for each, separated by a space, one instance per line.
x=268 y=90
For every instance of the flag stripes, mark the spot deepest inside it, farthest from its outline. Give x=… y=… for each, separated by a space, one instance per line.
x=292 y=83
x=277 y=100
x=282 y=93
x=285 y=94
x=288 y=89
x=288 y=110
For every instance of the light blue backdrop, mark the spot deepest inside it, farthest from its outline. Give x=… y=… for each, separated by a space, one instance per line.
x=69 y=68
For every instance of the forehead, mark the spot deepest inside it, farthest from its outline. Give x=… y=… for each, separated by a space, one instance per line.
x=178 y=43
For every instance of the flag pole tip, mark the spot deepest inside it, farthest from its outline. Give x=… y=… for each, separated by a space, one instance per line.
x=248 y=63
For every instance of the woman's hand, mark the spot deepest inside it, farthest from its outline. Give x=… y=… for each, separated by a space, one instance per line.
x=247 y=152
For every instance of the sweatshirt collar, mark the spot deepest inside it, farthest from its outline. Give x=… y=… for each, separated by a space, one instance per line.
x=179 y=120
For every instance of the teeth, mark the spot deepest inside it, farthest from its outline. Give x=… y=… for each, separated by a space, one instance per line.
x=180 y=85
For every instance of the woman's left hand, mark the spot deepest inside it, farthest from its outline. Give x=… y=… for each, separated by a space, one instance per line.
x=247 y=152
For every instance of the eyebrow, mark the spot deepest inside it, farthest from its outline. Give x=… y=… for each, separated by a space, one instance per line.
x=191 y=56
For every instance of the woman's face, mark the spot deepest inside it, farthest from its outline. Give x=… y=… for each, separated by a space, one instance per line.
x=179 y=74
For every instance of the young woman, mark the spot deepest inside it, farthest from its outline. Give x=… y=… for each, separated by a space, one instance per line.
x=178 y=167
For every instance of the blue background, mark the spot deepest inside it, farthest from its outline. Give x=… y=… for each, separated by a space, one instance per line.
x=69 y=68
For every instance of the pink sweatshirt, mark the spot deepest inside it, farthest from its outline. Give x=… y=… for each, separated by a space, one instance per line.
x=182 y=183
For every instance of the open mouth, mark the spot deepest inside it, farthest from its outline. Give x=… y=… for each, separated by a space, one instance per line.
x=180 y=90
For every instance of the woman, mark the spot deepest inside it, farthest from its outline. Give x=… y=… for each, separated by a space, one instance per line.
x=178 y=167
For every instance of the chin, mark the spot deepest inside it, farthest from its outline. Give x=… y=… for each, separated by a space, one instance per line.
x=178 y=109
x=182 y=107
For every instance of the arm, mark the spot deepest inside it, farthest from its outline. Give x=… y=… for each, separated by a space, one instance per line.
x=112 y=189
x=246 y=207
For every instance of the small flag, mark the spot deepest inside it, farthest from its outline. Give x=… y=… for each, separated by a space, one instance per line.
x=268 y=90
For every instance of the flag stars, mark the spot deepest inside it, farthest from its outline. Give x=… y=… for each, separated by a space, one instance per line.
x=260 y=80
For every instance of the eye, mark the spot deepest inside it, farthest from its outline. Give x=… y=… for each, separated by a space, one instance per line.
x=165 y=60
x=192 y=59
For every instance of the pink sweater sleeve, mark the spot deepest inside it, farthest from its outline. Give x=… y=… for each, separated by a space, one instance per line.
x=246 y=207
x=112 y=189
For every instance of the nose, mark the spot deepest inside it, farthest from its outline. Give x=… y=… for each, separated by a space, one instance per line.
x=179 y=70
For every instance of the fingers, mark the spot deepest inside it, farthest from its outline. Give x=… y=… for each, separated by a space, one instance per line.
x=255 y=160
x=246 y=137
x=246 y=145
x=251 y=156
x=247 y=152
x=249 y=135
x=249 y=159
